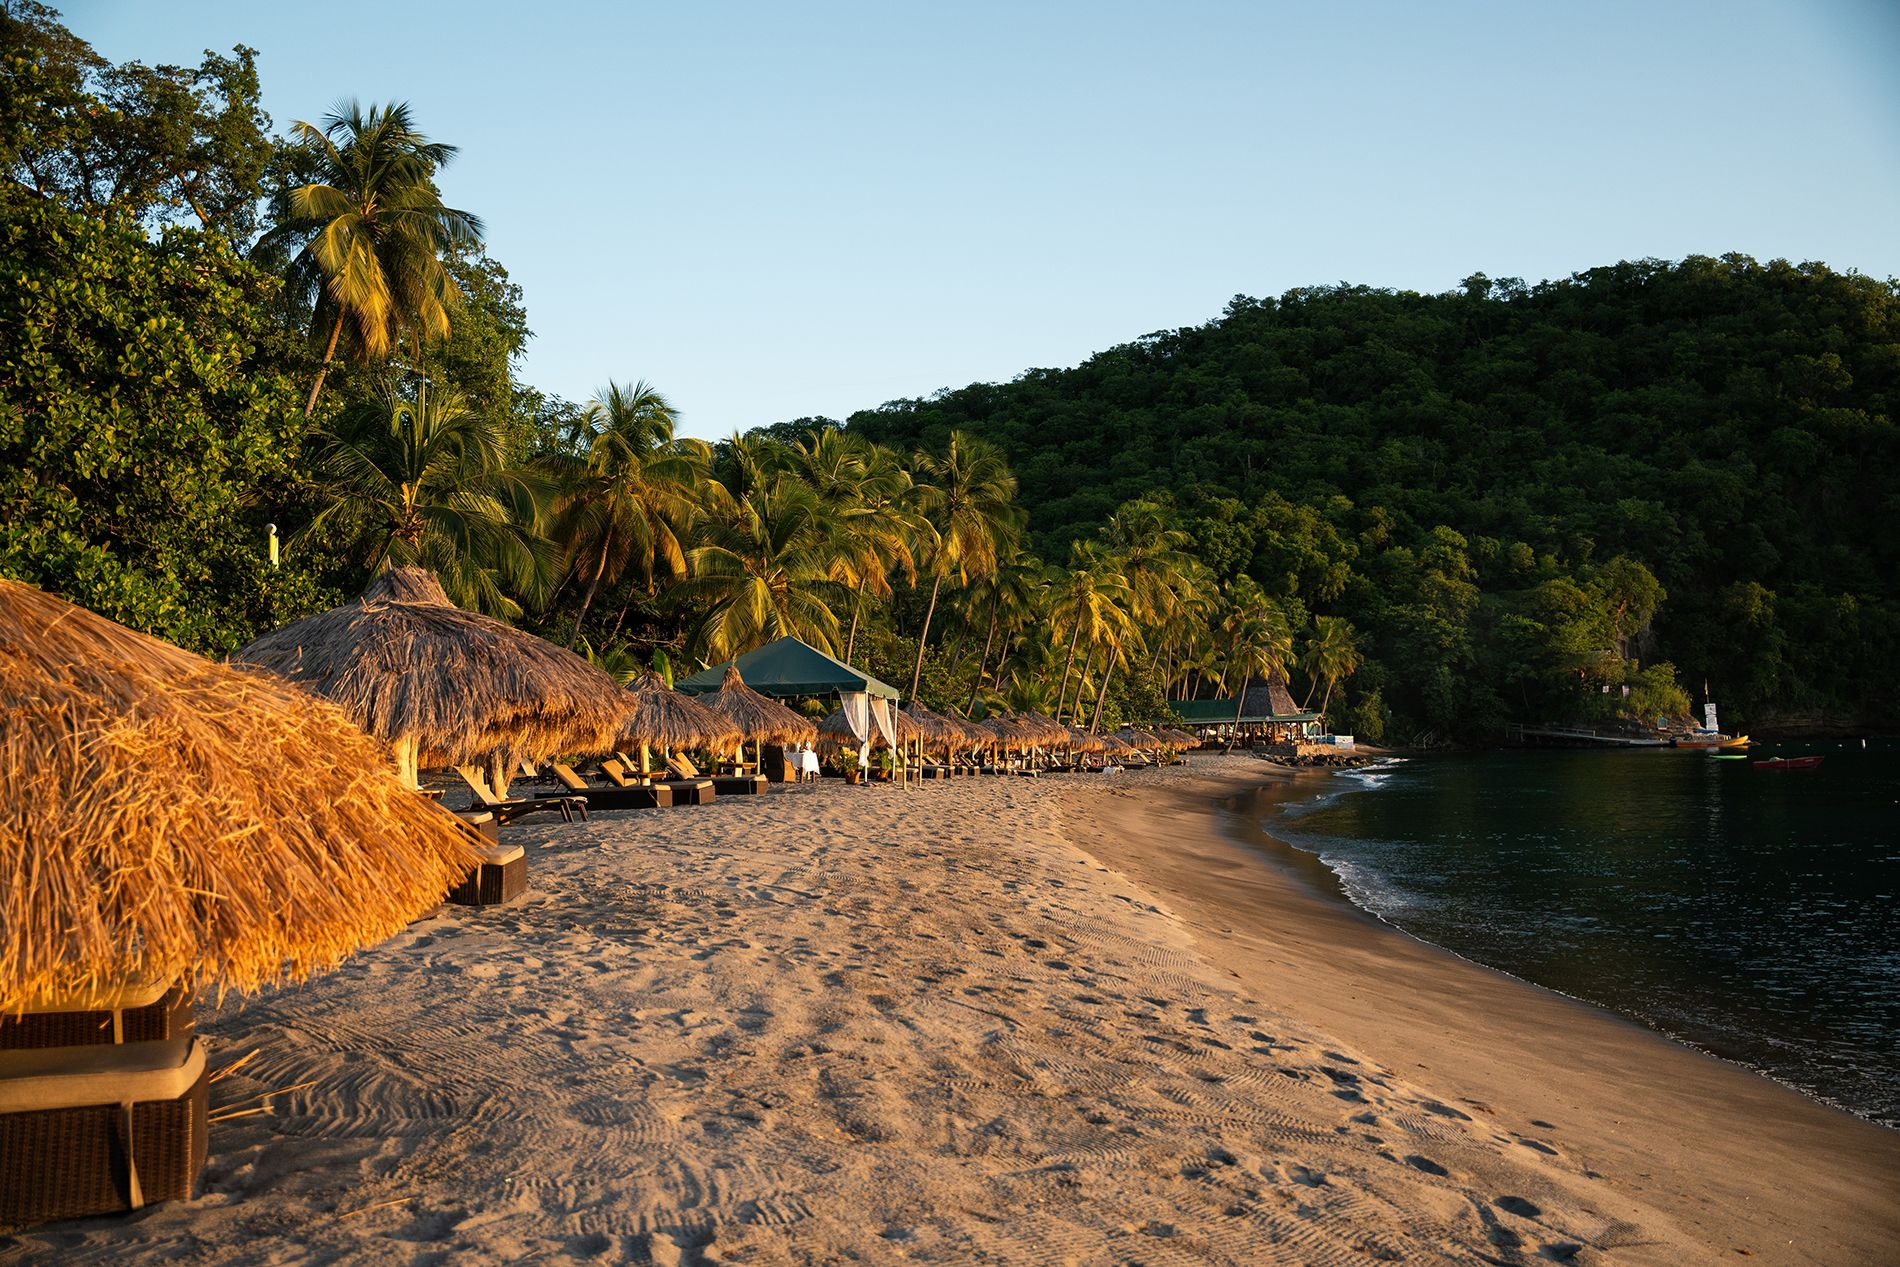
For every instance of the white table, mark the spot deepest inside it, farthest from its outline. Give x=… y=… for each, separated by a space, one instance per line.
x=806 y=763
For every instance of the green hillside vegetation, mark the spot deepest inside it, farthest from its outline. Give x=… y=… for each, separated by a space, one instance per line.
x=1514 y=493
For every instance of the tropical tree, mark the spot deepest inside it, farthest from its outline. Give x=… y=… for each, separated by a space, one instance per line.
x=1009 y=594
x=1092 y=599
x=865 y=490
x=763 y=568
x=967 y=497
x=426 y=483
x=1259 y=639
x=372 y=231
x=1331 y=655
x=633 y=487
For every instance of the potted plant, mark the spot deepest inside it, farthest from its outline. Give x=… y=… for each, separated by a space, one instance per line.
x=844 y=764
x=886 y=764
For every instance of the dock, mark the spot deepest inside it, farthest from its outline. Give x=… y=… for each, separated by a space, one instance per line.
x=1576 y=737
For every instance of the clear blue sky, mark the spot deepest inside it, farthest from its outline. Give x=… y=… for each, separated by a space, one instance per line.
x=773 y=210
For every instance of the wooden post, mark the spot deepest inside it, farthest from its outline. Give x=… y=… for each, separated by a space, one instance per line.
x=405 y=749
x=498 y=774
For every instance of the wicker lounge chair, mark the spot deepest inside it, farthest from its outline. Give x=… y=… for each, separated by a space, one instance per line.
x=622 y=795
x=506 y=811
x=723 y=784
x=685 y=791
x=100 y=1128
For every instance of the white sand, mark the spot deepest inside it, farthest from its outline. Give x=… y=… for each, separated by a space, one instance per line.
x=842 y=1024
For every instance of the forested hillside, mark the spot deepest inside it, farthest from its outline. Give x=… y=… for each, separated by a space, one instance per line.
x=1461 y=475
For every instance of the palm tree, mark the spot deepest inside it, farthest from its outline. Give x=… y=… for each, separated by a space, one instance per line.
x=633 y=488
x=967 y=497
x=864 y=488
x=1331 y=655
x=426 y=483
x=1010 y=593
x=372 y=230
x=1258 y=638
x=763 y=569
x=1092 y=598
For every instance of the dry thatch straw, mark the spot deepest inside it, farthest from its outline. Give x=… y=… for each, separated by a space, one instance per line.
x=758 y=719
x=948 y=734
x=658 y=716
x=165 y=816
x=1008 y=735
x=1047 y=730
x=1082 y=741
x=411 y=668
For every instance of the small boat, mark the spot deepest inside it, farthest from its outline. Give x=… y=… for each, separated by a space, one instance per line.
x=1789 y=763
x=1710 y=740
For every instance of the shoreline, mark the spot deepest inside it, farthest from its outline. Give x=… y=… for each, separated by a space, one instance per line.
x=1333 y=886
x=1679 y=1118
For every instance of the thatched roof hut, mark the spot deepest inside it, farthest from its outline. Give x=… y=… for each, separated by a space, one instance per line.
x=756 y=717
x=1008 y=735
x=1046 y=729
x=658 y=716
x=165 y=816
x=418 y=672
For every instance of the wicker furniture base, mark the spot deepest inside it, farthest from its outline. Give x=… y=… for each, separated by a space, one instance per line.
x=100 y=1129
x=502 y=877
x=690 y=791
x=138 y=1019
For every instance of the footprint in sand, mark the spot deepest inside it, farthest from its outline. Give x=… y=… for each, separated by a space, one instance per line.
x=1426 y=1164
x=1519 y=1206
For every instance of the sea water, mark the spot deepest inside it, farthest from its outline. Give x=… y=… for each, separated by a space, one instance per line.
x=1753 y=914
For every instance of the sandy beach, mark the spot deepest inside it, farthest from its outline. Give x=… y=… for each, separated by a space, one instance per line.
x=1069 y=1020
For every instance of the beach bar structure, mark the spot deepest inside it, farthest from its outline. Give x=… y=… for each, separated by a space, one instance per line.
x=1267 y=714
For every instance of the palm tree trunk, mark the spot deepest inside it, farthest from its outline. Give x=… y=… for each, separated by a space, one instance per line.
x=336 y=332
x=917 y=675
x=857 y=606
x=588 y=601
x=1063 y=694
x=1240 y=706
x=983 y=662
x=1101 y=697
x=1323 y=704
x=1075 y=707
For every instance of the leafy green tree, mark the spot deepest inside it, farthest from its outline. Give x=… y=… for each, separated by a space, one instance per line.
x=373 y=233
x=148 y=430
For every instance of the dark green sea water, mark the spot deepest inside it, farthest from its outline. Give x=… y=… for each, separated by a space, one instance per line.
x=1754 y=915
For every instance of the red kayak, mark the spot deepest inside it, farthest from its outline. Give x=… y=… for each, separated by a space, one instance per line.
x=1789 y=763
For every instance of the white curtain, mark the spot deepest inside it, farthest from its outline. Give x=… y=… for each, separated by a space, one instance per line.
x=857 y=715
x=881 y=714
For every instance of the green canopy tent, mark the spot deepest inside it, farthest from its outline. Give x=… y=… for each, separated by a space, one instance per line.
x=789 y=667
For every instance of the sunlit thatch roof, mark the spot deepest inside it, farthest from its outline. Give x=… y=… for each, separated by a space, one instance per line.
x=660 y=717
x=164 y=816
x=836 y=730
x=757 y=718
x=405 y=663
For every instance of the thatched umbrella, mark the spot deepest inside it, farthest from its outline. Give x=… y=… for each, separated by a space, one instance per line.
x=439 y=684
x=975 y=735
x=932 y=728
x=1082 y=741
x=757 y=718
x=657 y=716
x=168 y=817
x=1048 y=731
x=1008 y=735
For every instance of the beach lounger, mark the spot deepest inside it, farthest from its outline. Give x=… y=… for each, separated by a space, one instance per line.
x=130 y=1012
x=101 y=1128
x=506 y=811
x=622 y=795
x=723 y=784
x=682 y=791
x=501 y=876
